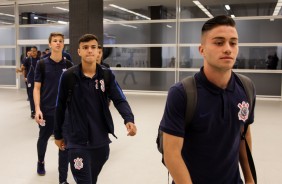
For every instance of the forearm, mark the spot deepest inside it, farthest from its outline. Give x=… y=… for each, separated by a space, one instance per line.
x=173 y=159
x=36 y=97
x=178 y=169
x=244 y=158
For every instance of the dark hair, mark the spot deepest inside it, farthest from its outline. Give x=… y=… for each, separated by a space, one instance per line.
x=221 y=20
x=55 y=34
x=33 y=47
x=87 y=38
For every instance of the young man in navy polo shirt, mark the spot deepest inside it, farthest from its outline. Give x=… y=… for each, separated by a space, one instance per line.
x=89 y=118
x=210 y=151
x=29 y=65
x=45 y=94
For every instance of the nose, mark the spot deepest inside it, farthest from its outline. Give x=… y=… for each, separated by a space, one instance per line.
x=227 y=49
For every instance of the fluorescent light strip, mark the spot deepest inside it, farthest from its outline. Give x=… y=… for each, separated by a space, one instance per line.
x=277 y=8
x=9 y=15
x=227 y=7
x=62 y=22
x=6 y=23
x=203 y=8
x=129 y=11
x=129 y=26
x=108 y=20
x=60 y=8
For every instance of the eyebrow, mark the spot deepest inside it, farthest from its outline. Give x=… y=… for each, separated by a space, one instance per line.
x=222 y=38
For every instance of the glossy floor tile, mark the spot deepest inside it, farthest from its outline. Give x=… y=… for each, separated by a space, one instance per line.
x=133 y=160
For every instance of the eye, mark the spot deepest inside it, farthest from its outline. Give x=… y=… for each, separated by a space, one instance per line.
x=233 y=43
x=219 y=43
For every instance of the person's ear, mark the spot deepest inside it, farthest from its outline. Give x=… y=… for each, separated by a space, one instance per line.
x=78 y=51
x=201 y=50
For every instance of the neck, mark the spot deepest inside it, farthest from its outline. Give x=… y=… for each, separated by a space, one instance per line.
x=88 y=69
x=57 y=57
x=219 y=78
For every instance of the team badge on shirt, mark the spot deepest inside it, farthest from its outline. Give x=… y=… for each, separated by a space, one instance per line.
x=243 y=114
x=64 y=69
x=102 y=84
x=78 y=164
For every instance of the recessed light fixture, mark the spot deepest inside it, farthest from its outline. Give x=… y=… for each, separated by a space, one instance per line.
x=9 y=15
x=203 y=8
x=60 y=8
x=62 y=22
x=129 y=11
x=227 y=7
x=277 y=8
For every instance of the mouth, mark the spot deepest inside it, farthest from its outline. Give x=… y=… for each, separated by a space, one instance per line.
x=226 y=58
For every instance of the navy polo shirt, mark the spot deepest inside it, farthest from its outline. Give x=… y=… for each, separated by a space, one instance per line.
x=49 y=87
x=211 y=144
x=98 y=133
x=30 y=64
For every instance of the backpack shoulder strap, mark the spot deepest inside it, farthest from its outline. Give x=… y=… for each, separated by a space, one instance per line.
x=106 y=76
x=250 y=92
x=189 y=84
x=70 y=79
x=68 y=63
x=249 y=89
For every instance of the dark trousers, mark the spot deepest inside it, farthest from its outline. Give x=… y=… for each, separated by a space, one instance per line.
x=44 y=134
x=30 y=87
x=86 y=164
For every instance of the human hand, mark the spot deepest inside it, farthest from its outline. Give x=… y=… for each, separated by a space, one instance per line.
x=131 y=129
x=61 y=144
x=39 y=118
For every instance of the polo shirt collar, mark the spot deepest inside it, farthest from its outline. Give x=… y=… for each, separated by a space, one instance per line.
x=213 y=88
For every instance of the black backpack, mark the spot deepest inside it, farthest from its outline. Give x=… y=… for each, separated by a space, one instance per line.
x=190 y=87
x=42 y=67
x=71 y=80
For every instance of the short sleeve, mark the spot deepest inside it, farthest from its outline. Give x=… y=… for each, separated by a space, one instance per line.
x=173 y=120
x=37 y=73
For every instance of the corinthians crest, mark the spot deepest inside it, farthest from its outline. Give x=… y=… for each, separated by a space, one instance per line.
x=243 y=114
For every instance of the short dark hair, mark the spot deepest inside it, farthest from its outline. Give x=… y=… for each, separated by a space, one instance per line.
x=221 y=20
x=87 y=38
x=55 y=34
x=33 y=47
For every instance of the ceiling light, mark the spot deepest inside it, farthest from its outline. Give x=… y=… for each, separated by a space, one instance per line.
x=62 y=22
x=277 y=8
x=107 y=20
x=35 y=18
x=9 y=15
x=129 y=11
x=5 y=23
x=169 y=26
x=227 y=7
x=129 y=26
x=233 y=16
x=203 y=8
x=60 y=8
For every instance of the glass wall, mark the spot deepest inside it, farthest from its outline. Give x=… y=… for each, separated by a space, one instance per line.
x=7 y=46
x=152 y=44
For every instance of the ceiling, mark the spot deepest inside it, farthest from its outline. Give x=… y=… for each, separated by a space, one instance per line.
x=238 y=8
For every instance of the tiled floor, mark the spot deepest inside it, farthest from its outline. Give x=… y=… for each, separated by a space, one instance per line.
x=133 y=160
